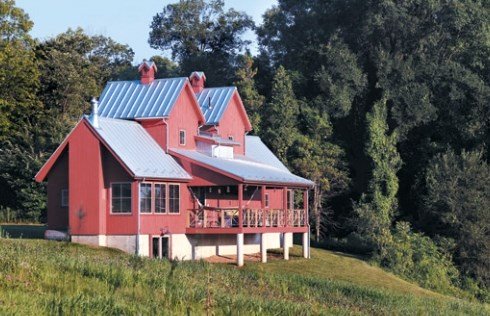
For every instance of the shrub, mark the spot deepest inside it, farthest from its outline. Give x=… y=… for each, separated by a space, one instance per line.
x=418 y=258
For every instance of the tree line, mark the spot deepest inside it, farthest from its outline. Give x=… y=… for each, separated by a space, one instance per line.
x=384 y=104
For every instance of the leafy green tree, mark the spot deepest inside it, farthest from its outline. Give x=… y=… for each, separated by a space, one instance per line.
x=340 y=79
x=456 y=206
x=279 y=117
x=74 y=67
x=378 y=206
x=316 y=157
x=18 y=72
x=251 y=98
x=201 y=36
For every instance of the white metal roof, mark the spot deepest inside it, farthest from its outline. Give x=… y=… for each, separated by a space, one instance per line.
x=258 y=151
x=213 y=102
x=138 y=150
x=245 y=168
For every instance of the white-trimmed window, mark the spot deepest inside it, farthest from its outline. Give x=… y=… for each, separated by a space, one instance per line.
x=64 y=198
x=121 y=197
x=160 y=198
x=182 y=137
x=266 y=200
x=145 y=197
x=173 y=198
x=231 y=138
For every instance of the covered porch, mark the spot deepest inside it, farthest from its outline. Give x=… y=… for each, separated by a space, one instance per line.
x=269 y=212
x=247 y=208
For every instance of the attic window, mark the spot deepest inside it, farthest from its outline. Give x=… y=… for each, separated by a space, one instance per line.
x=182 y=137
x=231 y=138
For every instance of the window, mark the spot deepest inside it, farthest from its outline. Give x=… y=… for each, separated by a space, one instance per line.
x=266 y=202
x=160 y=198
x=182 y=137
x=173 y=198
x=145 y=197
x=64 y=198
x=121 y=197
x=231 y=138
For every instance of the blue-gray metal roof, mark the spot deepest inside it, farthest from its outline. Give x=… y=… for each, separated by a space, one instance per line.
x=132 y=99
x=213 y=102
x=258 y=151
x=246 y=169
x=138 y=150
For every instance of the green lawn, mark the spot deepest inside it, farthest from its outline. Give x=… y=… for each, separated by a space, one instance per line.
x=42 y=277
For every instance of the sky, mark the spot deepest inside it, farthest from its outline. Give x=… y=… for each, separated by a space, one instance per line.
x=126 y=21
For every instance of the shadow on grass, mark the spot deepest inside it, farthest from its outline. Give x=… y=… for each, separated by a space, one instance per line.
x=22 y=231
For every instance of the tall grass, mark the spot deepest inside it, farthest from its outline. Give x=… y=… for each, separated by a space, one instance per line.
x=41 y=277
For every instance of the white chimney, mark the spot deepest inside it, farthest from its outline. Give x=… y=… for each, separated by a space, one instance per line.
x=95 y=112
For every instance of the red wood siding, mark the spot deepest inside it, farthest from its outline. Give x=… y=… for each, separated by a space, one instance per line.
x=157 y=129
x=184 y=116
x=57 y=181
x=233 y=124
x=118 y=224
x=86 y=198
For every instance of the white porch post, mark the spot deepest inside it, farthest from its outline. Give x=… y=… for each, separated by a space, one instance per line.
x=239 y=249
x=285 y=245
x=263 y=248
x=306 y=245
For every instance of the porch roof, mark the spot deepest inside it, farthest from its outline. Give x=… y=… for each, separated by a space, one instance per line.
x=244 y=169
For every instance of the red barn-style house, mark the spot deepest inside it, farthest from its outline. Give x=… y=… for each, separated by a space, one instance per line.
x=165 y=168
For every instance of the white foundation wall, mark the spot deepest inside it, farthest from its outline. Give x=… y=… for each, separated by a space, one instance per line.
x=126 y=243
x=195 y=247
x=189 y=247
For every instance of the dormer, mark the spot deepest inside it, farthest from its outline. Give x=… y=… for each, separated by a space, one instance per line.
x=197 y=79
x=214 y=145
x=147 y=70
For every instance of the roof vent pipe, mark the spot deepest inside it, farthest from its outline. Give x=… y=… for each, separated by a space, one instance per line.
x=95 y=112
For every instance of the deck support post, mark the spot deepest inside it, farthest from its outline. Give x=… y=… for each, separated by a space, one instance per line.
x=263 y=248
x=306 y=245
x=285 y=245
x=239 y=250
x=240 y=205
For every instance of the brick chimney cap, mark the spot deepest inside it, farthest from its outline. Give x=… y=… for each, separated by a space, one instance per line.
x=198 y=74
x=147 y=64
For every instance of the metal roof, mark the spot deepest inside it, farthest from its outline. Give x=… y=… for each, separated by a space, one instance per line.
x=138 y=150
x=213 y=102
x=131 y=99
x=245 y=168
x=258 y=151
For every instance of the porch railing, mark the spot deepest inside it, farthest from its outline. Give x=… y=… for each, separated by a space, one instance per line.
x=226 y=218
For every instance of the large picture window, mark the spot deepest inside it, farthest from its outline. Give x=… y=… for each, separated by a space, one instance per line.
x=121 y=197
x=145 y=197
x=160 y=198
x=174 y=198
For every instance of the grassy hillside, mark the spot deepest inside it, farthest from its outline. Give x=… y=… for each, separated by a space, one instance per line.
x=44 y=277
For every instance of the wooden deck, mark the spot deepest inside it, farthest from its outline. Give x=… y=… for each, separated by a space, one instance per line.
x=227 y=221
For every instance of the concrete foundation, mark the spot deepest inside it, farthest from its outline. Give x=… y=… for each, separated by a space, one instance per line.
x=193 y=247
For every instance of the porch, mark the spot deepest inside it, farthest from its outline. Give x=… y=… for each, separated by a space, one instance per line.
x=247 y=209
